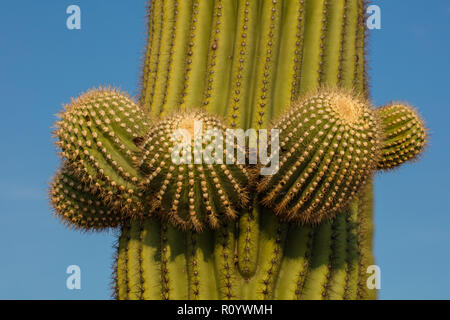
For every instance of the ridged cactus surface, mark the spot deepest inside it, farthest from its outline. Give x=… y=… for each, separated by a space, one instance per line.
x=219 y=230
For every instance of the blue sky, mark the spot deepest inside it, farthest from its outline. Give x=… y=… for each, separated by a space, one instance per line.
x=42 y=64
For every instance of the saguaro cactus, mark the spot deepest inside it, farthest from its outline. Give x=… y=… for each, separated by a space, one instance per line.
x=199 y=231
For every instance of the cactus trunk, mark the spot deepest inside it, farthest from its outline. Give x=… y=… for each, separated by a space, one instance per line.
x=247 y=60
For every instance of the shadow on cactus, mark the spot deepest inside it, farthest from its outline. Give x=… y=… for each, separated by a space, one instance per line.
x=212 y=229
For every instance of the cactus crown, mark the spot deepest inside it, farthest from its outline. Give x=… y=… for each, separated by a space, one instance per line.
x=79 y=204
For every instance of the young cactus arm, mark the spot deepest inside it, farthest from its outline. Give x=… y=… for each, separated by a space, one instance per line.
x=99 y=133
x=78 y=203
x=405 y=135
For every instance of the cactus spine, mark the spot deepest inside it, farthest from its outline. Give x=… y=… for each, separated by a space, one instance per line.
x=198 y=231
x=247 y=61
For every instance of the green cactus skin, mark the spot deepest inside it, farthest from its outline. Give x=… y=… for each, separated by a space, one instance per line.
x=98 y=134
x=78 y=204
x=248 y=61
x=207 y=187
x=342 y=136
x=405 y=135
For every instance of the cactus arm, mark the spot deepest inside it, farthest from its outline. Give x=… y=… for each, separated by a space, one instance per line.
x=78 y=204
x=97 y=134
x=405 y=135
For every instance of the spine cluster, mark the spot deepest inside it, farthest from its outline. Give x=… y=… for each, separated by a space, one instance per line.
x=79 y=205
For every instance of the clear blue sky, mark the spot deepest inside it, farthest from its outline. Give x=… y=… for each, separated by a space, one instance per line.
x=42 y=64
